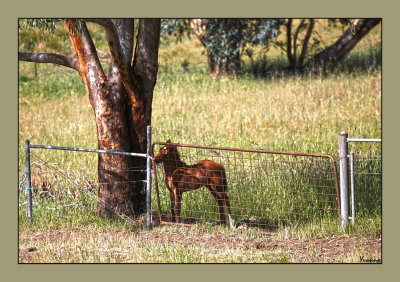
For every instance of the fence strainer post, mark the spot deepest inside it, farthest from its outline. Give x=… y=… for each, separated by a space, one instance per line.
x=148 y=179
x=353 y=208
x=28 y=179
x=344 y=188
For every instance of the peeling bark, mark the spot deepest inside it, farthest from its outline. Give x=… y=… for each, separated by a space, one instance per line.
x=107 y=102
x=122 y=107
x=121 y=102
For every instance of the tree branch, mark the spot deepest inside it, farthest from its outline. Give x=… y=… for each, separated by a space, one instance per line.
x=289 y=42
x=125 y=31
x=295 y=42
x=114 y=44
x=70 y=62
x=280 y=45
x=199 y=29
x=305 y=42
x=89 y=66
x=145 y=63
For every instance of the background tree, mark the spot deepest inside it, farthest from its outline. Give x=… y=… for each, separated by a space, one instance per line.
x=293 y=43
x=334 y=54
x=224 y=39
x=301 y=41
x=121 y=100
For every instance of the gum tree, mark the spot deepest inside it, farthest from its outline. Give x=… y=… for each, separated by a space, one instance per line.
x=225 y=38
x=334 y=54
x=121 y=100
x=302 y=42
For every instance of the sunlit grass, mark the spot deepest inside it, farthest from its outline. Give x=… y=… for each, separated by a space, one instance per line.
x=303 y=114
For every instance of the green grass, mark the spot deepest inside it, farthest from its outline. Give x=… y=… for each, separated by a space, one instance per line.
x=294 y=114
x=302 y=114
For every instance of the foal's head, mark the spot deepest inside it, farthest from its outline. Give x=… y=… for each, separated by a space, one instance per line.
x=167 y=153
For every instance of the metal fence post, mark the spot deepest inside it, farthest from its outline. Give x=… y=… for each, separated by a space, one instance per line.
x=353 y=207
x=28 y=179
x=344 y=188
x=148 y=179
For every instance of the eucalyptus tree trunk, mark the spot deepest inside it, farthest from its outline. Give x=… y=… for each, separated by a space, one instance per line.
x=121 y=102
x=291 y=42
x=225 y=69
x=215 y=67
x=338 y=51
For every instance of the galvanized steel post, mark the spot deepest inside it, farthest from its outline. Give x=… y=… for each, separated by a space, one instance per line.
x=353 y=205
x=28 y=179
x=344 y=188
x=148 y=179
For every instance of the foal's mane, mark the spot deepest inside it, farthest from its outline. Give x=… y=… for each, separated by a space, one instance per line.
x=174 y=150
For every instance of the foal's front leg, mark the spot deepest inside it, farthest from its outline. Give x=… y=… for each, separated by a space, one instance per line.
x=177 y=204
x=172 y=198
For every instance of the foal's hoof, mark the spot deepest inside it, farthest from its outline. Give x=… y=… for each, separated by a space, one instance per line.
x=231 y=222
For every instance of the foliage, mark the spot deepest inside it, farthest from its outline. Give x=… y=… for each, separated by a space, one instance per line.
x=176 y=27
x=41 y=24
x=344 y=22
x=225 y=38
x=49 y=25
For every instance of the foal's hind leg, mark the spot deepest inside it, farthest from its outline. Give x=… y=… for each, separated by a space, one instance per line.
x=224 y=198
x=220 y=204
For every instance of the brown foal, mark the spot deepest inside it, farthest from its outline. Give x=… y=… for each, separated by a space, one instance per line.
x=180 y=177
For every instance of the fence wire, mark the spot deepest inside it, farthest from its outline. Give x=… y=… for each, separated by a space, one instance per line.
x=367 y=175
x=256 y=188
x=250 y=187
x=64 y=191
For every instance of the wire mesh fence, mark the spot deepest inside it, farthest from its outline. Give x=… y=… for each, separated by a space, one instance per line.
x=360 y=164
x=367 y=175
x=65 y=186
x=196 y=184
x=199 y=184
x=59 y=191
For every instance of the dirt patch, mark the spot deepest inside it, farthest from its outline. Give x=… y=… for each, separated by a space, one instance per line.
x=27 y=254
x=331 y=249
x=339 y=248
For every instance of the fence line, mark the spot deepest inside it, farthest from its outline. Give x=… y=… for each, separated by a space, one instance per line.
x=344 y=158
x=91 y=194
x=265 y=188
x=366 y=184
x=148 y=181
x=89 y=150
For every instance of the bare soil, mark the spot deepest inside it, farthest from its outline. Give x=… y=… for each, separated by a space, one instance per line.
x=341 y=248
